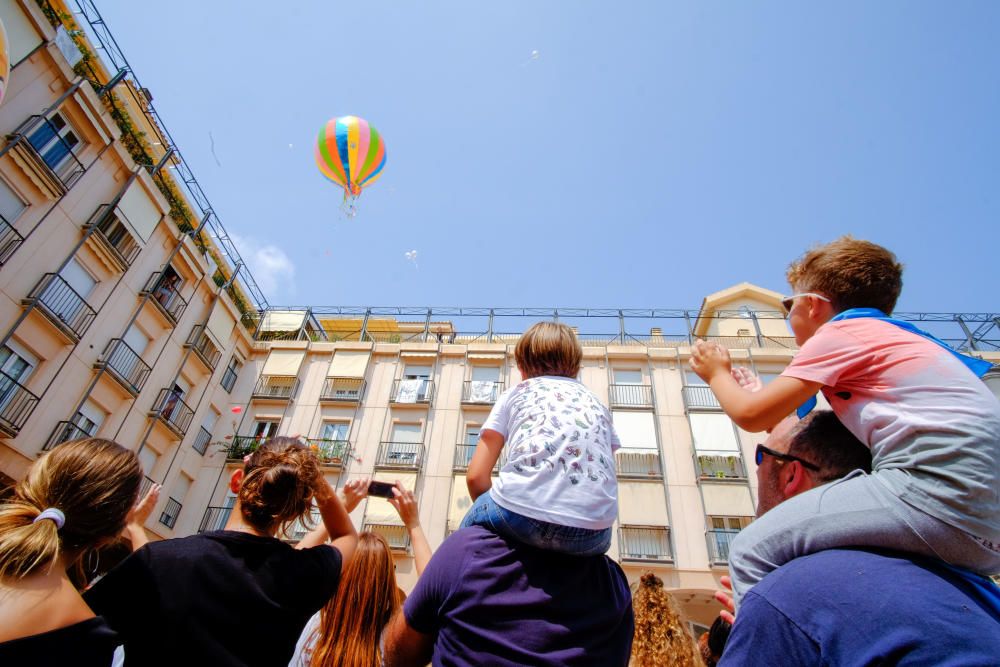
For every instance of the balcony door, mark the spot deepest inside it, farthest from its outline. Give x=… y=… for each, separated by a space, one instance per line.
x=406 y=439
x=16 y=364
x=419 y=375
x=88 y=419
x=67 y=306
x=264 y=430
x=54 y=141
x=334 y=431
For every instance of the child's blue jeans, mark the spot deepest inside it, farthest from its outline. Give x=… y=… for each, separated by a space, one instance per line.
x=541 y=534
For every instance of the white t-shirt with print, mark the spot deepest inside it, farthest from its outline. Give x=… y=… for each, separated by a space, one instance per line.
x=560 y=453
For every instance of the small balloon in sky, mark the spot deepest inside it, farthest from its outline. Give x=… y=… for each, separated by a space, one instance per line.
x=289 y=145
x=236 y=409
x=412 y=256
x=534 y=54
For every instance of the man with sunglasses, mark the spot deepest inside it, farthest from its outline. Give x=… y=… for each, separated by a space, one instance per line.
x=834 y=606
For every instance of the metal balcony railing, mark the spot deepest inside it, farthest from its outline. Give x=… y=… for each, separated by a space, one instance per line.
x=10 y=240
x=345 y=389
x=645 y=543
x=243 y=445
x=413 y=391
x=638 y=463
x=229 y=380
x=280 y=387
x=59 y=161
x=170 y=512
x=720 y=466
x=165 y=297
x=719 y=541
x=62 y=305
x=113 y=236
x=215 y=518
x=203 y=346
x=700 y=398
x=171 y=409
x=330 y=452
x=125 y=365
x=483 y=392
x=202 y=440
x=397 y=536
x=64 y=432
x=16 y=404
x=631 y=396
x=408 y=455
x=144 y=486
x=463 y=455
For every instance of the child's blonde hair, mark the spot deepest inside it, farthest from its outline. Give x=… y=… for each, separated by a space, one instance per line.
x=850 y=272
x=548 y=348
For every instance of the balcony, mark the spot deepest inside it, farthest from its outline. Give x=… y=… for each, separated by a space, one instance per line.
x=10 y=240
x=397 y=536
x=243 y=445
x=61 y=305
x=631 y=396
x=171 y=409
x=163 y=294
x=215 y=518
x=721 y=466
x=113 y=237
x=481 y=392
x=406 y=455
x=64 y=432
x=330 y=452
x=342 y=390
x=145 y=485
x=44 y=150
x=229 y=380
x=719 y=540
x=202 y=440
x=700 y=398
x=463 y=455
x=638 y=463
x=169 y=515
x=203 y=346
x=124 y=365
x=417 y=391
x=275 y=387
x=16 y=404
x=647 y=543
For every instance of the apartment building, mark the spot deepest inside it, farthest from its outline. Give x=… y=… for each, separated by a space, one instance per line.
x=126 y=313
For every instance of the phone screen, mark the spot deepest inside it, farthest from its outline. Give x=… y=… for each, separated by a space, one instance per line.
x=381 y=489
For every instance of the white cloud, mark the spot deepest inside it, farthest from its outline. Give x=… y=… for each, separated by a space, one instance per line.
x=271 y=267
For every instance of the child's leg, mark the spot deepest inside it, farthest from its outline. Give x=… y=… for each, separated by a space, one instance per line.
x=857 y=511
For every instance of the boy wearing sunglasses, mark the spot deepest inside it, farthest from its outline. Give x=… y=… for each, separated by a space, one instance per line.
x=932 y=425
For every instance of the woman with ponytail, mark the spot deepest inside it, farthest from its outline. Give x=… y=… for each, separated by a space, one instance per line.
x=238 y=596
x=73 y=500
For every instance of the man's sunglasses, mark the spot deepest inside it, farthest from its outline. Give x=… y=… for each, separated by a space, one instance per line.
x=761 y=450
x=789 y=301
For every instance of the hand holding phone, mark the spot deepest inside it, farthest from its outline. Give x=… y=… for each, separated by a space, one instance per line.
x=381 y=489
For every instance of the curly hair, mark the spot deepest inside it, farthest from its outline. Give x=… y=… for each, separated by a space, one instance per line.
x=277 y=484
x=661 y=640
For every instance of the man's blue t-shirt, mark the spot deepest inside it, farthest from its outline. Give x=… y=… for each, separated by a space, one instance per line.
x=488 y=601
x=853 y=607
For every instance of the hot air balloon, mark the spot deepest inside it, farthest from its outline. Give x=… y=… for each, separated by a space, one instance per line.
x=4 y=61
x=351 y=153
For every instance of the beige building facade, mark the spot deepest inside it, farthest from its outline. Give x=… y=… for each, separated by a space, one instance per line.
x=125 y=314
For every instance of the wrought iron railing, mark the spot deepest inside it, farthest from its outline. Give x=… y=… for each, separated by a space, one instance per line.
x=215 y=518
x=719 y=540
x=346 y=389
x=145 y=485
x=10 y=240
x=165 y=296
x=631 y=396
x=645 y=543
x=229 y=379
x=113 y=235
x=638 y=463
x=16 y=404
x=202 y=440
x=59 y=159
x=62 y=305
x=463 y=456
x=400 y=455
x=700 y=398
x=170 y=512
x=720 y=466
x=481 y=391
x=64 y=432
x=203 y=346
x=413 y=391
x=330 y=452
x=173 y=411
x=397 y=536
x=243 y=445
x=125 y=365
x=276 y=386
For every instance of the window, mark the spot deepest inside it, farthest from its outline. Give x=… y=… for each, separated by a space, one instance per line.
x=78 y=278
x=262 y=430
x=334 y=431
x=485 y=374
x=11 y=204
x=713 y=432
x=691 y=379
x=722 y=531
x=16 y=365
x=136 y=339
x=229 y=377
x=54 y=141
x=627 y=376
x=148 y=458
x=472 y=434
x=417 y=372
x=88 y=419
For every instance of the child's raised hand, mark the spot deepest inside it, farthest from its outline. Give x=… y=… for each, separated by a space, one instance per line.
x=709 y=359
x=747 y=379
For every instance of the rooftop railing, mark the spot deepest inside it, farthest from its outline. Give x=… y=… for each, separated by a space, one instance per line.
x=16 y=404
x=631 y=396
x=165 y=296
x=62 y=305
x=645 y=543
x=125 y=365
x=408 y=455
x=171 y=409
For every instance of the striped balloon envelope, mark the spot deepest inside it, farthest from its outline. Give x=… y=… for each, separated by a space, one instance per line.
x=351 y=153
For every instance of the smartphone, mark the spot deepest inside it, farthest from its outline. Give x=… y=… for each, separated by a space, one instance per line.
x=381 y=489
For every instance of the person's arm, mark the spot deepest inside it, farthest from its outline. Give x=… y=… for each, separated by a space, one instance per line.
x=335 y=519
x=135 y=530
x=403 y=646
x=353 y=493
x=479 y=475
x=752 y=411
x=406 y=504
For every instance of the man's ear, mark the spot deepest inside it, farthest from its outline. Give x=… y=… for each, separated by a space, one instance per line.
x=236 y=480
x=793 y=479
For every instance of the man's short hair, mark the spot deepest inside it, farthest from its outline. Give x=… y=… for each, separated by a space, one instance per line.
x=821 y=438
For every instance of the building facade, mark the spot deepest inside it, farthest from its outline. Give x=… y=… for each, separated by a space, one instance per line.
x=126 y=314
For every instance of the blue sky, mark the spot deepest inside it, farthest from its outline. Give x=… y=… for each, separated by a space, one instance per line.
x=652 y=153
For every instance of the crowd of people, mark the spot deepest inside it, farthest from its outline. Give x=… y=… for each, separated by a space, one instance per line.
x=876 y=521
